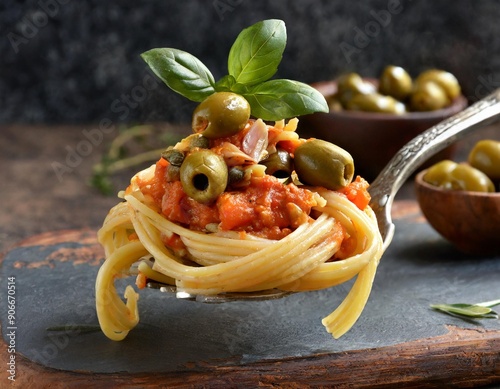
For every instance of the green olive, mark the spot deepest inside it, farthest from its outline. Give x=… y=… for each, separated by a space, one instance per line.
x=334 y=103
x=465 y=177
x=203 y=175
x=279 y=164
x=321 y=163
x=350 y=85
x=428 y=96
x=485 y=156
x=221 y=114
x=439 y=173
x=458 y=176
x=396 y=82
x=375 y=102
x=444 y=79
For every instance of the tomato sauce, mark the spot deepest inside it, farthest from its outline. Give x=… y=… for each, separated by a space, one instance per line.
x=260 y=208
x=265 y=207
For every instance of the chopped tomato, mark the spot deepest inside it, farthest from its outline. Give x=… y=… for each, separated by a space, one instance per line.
x=357 y=192
x=154 y=188
x=180 y=208
x=262 y=205
x=162 y=162
x=199 y=214
x=171 y=202
x=346 y=248
x=141 y=280
x=235 y=210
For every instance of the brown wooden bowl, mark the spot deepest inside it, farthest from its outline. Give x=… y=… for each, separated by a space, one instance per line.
x=373 y=138
x=469 y=220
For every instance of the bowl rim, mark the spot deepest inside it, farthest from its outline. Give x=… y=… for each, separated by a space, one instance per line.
x=328 y=88
x=459 y=193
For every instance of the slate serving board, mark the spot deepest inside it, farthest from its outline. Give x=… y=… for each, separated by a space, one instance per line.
x=55 y=274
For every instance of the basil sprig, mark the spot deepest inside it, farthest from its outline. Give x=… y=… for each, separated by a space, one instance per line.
x=253 y=59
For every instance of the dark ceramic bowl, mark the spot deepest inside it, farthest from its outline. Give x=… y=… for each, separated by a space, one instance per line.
x=373 y=138
x=469 y=220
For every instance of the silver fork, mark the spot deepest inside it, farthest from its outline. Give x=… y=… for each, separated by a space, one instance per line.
x=385 y=187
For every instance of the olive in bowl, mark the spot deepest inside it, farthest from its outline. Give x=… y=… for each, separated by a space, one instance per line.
x=460 y=203
x=373 y=138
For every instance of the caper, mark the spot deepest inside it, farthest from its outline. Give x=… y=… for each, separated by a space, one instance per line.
x=321 y=163
x=396 y=82
x=203 y=175
x=376 y=102
x=350 y=85
x=173 y=156
x=172 y=173
x=485 y=156
x=221 y=114
x=199 y=141
x=235 y=175
x=428 y=96
x=458 y=176
x=279 y=164
x=444 y=79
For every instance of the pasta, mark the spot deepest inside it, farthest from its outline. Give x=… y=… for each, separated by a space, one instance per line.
x=328 y=241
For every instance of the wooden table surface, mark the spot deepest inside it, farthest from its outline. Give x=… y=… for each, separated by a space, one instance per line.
x=38 y=197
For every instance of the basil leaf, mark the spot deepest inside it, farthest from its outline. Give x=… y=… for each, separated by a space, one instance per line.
x=283 y=99
x=182 y=72
x=225 y=84
x=257 y=52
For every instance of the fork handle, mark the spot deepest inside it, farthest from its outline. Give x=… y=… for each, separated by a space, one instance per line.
x=415 y=152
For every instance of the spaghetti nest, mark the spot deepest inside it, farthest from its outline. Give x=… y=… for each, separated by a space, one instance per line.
x=260 y=233
x=228 y=262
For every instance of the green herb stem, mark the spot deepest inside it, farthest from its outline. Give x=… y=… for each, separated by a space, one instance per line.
x=75 y=327
x=125 y=163
x=469 y=311
x=124 y=137
x=489 y=304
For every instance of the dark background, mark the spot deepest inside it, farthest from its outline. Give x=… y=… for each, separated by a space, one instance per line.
x=69 y=61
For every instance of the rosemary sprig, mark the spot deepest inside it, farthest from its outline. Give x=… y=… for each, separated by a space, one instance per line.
x=82 y=328
x=469 y=311
x=129 y=150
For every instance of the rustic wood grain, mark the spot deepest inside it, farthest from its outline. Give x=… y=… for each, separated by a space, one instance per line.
x=460 y=358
